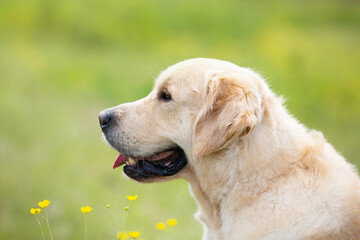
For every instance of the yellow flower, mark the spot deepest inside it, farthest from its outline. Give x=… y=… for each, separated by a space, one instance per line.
x=122 y=235
x=172 y=222
x=126 y=208
x=86 y=209
x=134 y=235
x=132 y=198
x=108 y=206
x=35 y=211
x=44 y=203
x=160 y=226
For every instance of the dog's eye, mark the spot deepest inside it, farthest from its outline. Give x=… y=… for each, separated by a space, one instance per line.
x=165 y=96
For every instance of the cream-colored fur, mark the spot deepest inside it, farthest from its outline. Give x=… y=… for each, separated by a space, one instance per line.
x=254 y=170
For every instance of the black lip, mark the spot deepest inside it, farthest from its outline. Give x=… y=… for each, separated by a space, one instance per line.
x=144 y=169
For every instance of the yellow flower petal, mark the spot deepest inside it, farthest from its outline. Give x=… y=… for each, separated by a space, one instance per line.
x=172 y=222
x=160 y=226
x=35 y=211
x=134 y=234
x=132 y=198
x=122 y=235
x=86 y=209
x=44 y=203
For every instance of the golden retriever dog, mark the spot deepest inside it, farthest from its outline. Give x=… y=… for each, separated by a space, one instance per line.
x=254 y=170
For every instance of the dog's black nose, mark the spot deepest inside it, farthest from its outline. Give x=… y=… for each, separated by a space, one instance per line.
x=104 y=119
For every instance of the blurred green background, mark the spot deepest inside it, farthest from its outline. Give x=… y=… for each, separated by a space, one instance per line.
x=61 y=62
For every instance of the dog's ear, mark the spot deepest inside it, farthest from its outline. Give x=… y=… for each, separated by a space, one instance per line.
x=232 y=108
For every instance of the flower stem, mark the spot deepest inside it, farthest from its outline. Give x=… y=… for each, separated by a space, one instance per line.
x=112 y=221
x=86 y=226
x=42 y=232
x=126 y=216
x=48 y=224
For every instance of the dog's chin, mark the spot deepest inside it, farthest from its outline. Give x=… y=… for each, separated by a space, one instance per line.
x=157 y=167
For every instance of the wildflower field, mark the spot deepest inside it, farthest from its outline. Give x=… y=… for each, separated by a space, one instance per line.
x=62 y=62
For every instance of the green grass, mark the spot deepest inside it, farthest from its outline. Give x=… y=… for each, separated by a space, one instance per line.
x=61 y=62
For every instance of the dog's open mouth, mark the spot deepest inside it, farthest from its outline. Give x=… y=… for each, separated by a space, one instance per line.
x=165 y=163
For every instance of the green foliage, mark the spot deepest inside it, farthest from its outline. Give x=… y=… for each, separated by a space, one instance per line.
x=61 y=62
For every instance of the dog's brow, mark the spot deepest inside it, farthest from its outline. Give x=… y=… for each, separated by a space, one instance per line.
x=166 y=81
x=164 y=85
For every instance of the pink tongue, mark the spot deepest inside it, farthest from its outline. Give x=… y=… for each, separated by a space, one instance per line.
x=120 y=160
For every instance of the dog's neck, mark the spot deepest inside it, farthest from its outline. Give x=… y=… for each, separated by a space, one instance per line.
x=232 y=179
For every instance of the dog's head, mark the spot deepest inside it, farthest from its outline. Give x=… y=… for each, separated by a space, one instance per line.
x=196 y=108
